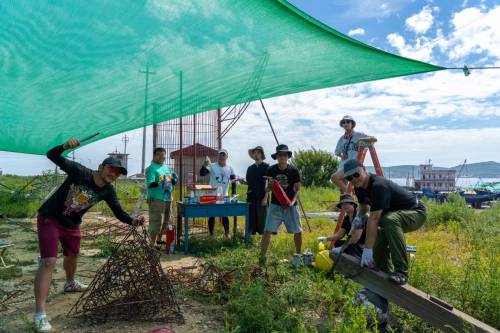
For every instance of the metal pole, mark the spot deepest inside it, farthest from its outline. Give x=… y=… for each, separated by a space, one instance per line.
x=181 y=174
x=219 y=129
x=155 y=129
x=125 y=140
x=147 y=72
x=272 y=129
x=155 y=134
x=194 y=146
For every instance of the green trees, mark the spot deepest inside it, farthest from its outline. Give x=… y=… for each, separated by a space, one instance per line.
x=315 y=166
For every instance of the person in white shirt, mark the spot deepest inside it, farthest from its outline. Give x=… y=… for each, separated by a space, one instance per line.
x=221 y=174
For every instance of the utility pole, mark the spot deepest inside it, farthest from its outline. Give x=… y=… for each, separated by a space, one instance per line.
x=147 y=72
x=125 y=140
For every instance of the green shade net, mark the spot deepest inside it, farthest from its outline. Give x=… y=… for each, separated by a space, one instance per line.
x=71 y=68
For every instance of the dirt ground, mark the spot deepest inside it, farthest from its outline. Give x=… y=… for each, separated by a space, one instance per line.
x=198 y=317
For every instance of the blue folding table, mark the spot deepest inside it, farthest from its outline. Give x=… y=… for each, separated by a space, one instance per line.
x=189 y=211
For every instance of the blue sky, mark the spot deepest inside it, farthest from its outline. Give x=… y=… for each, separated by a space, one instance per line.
x=444 y=116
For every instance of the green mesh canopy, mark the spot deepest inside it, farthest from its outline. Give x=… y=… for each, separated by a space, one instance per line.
x=71 y=68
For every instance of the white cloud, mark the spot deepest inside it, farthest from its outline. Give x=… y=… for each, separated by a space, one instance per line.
x=420 y=23
x=398 y=42
x=480 y=37
x=358 y=31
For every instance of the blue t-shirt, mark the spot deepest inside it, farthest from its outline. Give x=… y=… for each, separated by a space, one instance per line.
x=154 y=174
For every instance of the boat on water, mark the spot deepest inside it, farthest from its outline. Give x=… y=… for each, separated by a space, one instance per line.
x=474 y=200
x=487 y=192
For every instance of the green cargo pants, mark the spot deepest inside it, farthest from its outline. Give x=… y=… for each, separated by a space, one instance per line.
x=391 y=242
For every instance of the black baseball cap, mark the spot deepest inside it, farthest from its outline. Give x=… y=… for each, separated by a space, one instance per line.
x=115 y=163
x=351 y=166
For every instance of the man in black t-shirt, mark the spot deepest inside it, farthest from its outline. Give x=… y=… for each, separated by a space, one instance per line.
x=289 y=179
x=59 y=220
x=257 y=195
x=393 y=212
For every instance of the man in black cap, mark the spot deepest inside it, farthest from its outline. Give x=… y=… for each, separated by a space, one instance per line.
x=59 y=220
x=257 y=195
x=393 y=212
x=289 y=179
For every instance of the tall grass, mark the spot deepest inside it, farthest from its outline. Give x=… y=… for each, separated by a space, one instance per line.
x=458 y=257
x=457 y=260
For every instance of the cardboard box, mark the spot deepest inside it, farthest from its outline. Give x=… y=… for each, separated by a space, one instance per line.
x=206 y=194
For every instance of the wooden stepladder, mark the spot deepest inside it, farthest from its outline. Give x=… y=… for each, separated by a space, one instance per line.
x=350 y=189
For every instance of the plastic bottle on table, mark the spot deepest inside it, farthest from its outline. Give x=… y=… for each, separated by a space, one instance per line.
x=192 y=197
x=220 y=199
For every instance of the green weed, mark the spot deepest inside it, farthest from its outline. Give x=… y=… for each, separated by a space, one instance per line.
x=454 y=208
x=28 y=325
x=10 y=272
x=103 y=242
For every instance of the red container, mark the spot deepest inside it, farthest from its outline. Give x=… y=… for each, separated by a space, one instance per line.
x=170 y=237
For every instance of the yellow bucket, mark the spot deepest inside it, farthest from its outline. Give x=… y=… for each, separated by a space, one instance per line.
x=323 y=261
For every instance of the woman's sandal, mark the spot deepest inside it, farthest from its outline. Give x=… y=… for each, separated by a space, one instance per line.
x=398 y=278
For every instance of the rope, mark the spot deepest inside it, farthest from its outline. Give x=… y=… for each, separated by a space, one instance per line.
x=463 y=26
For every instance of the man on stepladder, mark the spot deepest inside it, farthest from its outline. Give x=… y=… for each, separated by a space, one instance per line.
x=393 y=212
x=347 y=149
x=289 y=179
x=59 y=220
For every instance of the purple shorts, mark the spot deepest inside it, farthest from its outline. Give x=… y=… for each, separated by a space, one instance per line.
x=50 y=233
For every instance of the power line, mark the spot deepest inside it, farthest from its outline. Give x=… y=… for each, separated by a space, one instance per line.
x=463 y=26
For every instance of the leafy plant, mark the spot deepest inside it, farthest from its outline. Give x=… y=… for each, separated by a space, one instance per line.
x=316 y=166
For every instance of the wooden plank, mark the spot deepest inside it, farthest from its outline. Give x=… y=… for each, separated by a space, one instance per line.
x=435 y=311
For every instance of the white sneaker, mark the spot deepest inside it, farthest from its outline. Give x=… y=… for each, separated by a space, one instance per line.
x=42 y=324
x=297 y=260
x=75 y=287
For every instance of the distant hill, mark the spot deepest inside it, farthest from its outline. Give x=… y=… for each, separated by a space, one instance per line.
x=483 y=169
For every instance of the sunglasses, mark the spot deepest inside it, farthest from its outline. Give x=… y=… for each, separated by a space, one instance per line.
x=281 y=155
x=114 y=170
x=345 y=122
x=355 y=175
x=222 y=154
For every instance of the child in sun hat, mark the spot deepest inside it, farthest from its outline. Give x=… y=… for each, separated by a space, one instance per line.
x=348 y=147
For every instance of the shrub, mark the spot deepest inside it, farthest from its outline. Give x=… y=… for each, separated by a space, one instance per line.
x=454 y=208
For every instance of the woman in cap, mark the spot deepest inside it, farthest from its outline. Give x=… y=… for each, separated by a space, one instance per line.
x=357 y=241
x=347 y=149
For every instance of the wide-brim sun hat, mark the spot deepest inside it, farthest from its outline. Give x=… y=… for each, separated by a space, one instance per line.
x=281 y=148
x=250 y=152
x=348 y=118
x=347 y=198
